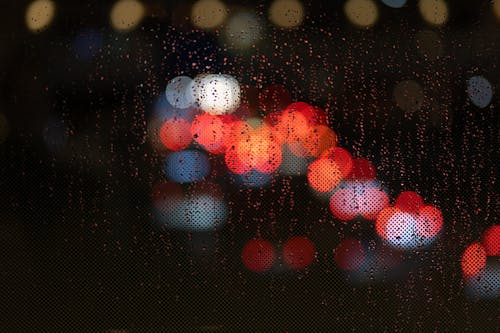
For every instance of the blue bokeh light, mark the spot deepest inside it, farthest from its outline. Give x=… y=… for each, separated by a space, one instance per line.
x=187 y=166
x=394 y=3
x=480 y=91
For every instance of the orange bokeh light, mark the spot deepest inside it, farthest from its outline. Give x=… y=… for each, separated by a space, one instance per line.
x=251 y=148
x=313 y=143
x=291 y=126
x=324 y=175
x=342 y=157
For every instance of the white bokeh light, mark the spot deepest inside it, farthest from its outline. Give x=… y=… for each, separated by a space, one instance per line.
x=400 y=231
x=178 y=92
x=216 y=93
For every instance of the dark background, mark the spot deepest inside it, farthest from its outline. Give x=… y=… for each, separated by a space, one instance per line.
x=79 y=252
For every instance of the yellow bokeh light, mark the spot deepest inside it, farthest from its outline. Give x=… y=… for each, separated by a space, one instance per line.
x=4 y=128
x=496 y=8
x=126 y=14
x=40 y=14
x=363 y=13
x=208 y=14
x=434 y=11
x=286 y=13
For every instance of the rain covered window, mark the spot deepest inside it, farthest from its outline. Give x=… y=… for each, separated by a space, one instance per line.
x=249 y=166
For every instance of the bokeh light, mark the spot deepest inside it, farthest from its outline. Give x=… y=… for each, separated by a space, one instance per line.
x=4 y=128
x=473 y=259
x=286 y=13
x=258 y=255
x=480 y=91
x=486 y=283
x=429 y=222
x=434 y=12
x=410 y=224
x=324 y=175
x=350 y=254
x=358 y=198
x=299 y=252
x=175 y=134
x=216 y=93
x=242 y=30
x=211 y=132
x=409 y=201
x=371 y=201
x=394 y=3
x=126 y=15
x=179 y=92
x=496 y=8
x=40 y=14
x=203 y=209
x=400 y=230
x=362 y=13
x=205 y=212
x=253 y=148
x=312 y=144
x=409 y=95
x=362 y=169
x=491 y=240
x=187 y=166
x=208 y=14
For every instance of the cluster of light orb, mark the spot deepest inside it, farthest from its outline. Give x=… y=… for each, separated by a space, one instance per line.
x=297 y=253
x=481 y=265
x=243 y=26
x=205 y=117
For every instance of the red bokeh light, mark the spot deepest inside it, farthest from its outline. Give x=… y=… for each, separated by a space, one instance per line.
x=257 y=149
x=175 y=134
x=362 y=169
x=382 y=219
x=343 y=204
x=342 y=158
x=409 y=201
x=258 y=255
x=210 y=131
x=429 y=221
x=491 y=240
x=473 y=259
x=372 y=202
x=299 y=252
x=350 y=254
